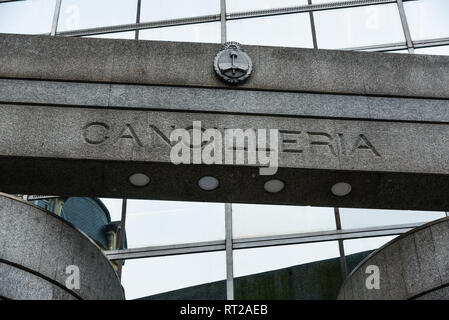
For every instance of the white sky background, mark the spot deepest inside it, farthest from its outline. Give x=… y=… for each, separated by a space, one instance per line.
x=167 y=222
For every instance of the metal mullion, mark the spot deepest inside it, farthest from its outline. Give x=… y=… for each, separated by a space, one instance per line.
x=121 y=238
x=223 y=20
x=139 y=5
x=341 y=248
x=229 y=253
x=431 y=43
x=379 y=47
x=151 y=253
x=405 y=27
x=148 y=252
x=401 y=46
x=293 y=241
x=242 y=243
x=341 y=233
x=312 y=27
x=56 y=13
x=305 y=8
x=183 y=246
x=140 y=26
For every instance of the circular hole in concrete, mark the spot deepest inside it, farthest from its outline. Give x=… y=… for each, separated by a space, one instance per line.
x=274 y=185
x=208 y=183
x=139 y=179
x=341 y=189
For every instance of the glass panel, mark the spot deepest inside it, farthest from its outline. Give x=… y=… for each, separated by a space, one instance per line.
x=442 y=50
x=251 y=261
x=154 y=10
x=365 y=218
x=116 y=35
x=251 y=220
x=201 y=32
x=82 y=14
x=292 y=30
x=114 y=207
x=427 y=19
x=361 y=245
x=356 y=27
x=27 y=17
x=251 y=5
x=150 y=223
x=149 y=276
x=358 y=249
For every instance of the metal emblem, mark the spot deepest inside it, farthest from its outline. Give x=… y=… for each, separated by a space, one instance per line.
x=232 y=64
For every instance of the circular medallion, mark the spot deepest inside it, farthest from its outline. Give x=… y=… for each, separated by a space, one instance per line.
x=232 y=64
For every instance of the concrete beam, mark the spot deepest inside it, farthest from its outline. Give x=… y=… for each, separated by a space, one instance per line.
x=86 y=151
x=190 y=64
x=213 y=100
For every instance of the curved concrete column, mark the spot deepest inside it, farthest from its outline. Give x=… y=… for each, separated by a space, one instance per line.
x=414 y=265
x=36 y=247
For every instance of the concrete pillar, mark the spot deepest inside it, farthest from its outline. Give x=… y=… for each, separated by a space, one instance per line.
x=39 y=253
x=414 y=265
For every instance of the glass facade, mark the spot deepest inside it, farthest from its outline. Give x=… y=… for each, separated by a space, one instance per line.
x=151 y=223
x=84 y=14
x=358 y=27
x=272 y=31
x=374 y=25
x=264 y=237
x=151 y=276
x=428 y=19
x=27 y=17
x=203 y=32
x=273 y=258
x=251 y=220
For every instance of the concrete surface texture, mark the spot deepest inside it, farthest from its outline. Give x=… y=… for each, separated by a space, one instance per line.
x=37 y=249
x=107 y=107
x=191 y=64
x=414 y=265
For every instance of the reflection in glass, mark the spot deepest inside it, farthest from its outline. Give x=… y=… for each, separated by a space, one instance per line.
x=150 y=222
x=155 y=10
x=357 y=27
x=427 y=19
x=201 y=32
x=361 y=245
x=250 y=220
x=27 y=17
x=144 y=277
x=83 y=14
x=365 y=218
x=251 y=261
x=441 y=50
x=292 y=30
